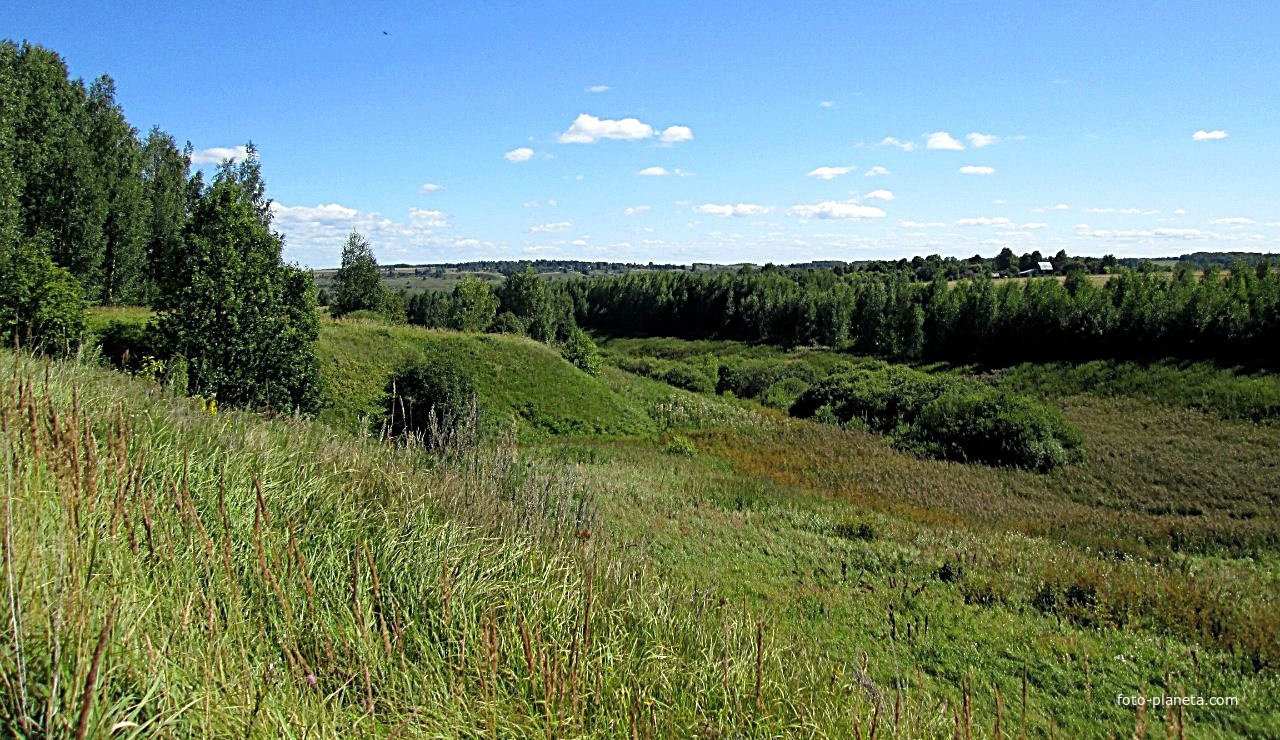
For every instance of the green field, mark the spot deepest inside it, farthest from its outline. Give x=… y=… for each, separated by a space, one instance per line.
x=623 y=557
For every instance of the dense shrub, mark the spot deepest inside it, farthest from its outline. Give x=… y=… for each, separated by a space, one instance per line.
x=782 y=394
x=945 y=417
x=690 y=377
x=432 y=404
x=881 y=398
x=995 y=428
x=580 y=350
x=42 y=306
x=125 y=344
x=748 y=378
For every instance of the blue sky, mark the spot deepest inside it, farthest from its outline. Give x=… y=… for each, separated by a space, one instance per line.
x=723 y=132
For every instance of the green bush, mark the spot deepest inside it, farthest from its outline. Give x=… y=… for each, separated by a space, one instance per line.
x=431 y=404
x=748 y=378
x=508 y=323
x=42 y=306
x=994 y=428
x=782 y=394
x=945 y=417
x=580 y=350
x=125 y=343
x=690 y=377
x=881 y=398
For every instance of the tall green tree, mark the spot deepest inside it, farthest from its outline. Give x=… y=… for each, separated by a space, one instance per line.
x=10 y=179
x=164 y=181
x=117 y=157
x=243 y=319
x=473 y=305
x=356 y=284
x=525 y=295
x=61 y=195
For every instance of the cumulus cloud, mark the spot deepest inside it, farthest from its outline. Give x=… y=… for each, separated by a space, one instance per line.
x=654 y=172
x=984 y=221
x=1234 y=221
x=676 y=134
x=598 y=88
x=430 y=187
x=827 y=104
x=921 y=224
x=551 y=228
x=523 y=154
x=1214 y=135
x=633 y=210
x=314 y=235
x=942 y=140
x=217 y=154
x=1035 y=225
x=906 y=146
x=829 y=173
x=1180 y=212
x=587 y=129
x=879 y=195
x=839 y=209
x=980 y=140
x=876 y=171
x=971 y=169
x=727 y=209
x=428 y=219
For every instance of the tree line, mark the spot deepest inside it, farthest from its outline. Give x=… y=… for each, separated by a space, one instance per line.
x=89 y=212
x=1231 y=315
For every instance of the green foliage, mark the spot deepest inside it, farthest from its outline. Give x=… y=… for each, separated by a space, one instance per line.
x=473 y=305
x=119 y=158
x=42 y=306
x=164 y=178
x=525 y=295
x=356 y=285
x=434 y=405
x=507 y=323
x=995 y=428
x=430 y=309
x=580 y=350
x=244 y=320
x=945 y=417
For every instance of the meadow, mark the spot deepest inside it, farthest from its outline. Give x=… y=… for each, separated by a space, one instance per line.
x=623 y=557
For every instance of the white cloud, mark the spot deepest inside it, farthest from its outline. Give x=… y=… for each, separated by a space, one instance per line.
x=906 y=146
x=676 y=134
x=216 y=154
x=430 y=187
x=598 y=88
x=879 y=195
x=314 y=235
x=633 y=210
x=741 y=209
x=587 y=129
x=971 y=169
x=523 y=154
x=1180 y=212
x=428 y=219
x=550 y=228
x=876 y=171
x=1123 y=211
x=835 y=209
x=1214 y=135
x=980 y=140
x=1234 y=221
x=1035 y=225
x=827 y=104
x=1062 y=207
x=942 y=140
x=654 y=172
x=985 y=221
x=829 y=173
x=921 y=224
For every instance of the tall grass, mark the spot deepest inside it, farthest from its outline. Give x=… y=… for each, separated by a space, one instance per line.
x=171 y=571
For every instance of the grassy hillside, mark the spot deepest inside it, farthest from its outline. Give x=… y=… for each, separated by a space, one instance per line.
x=514 y=376
x=707 y=567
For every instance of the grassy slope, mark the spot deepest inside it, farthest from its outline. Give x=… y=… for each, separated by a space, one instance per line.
x=763 y=522
x=513 y=375
x=172 y=572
